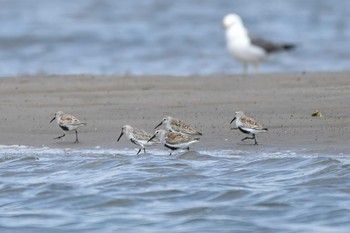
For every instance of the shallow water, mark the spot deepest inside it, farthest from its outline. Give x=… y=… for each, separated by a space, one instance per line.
x=108 y=190
x=181 y=37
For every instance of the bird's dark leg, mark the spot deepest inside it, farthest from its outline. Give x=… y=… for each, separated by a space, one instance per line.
x=138 y=152
x=247 y=138
x=256 y=143
x=253 y=138
x=76 y=137
x=171 y=151
x=60 y=136
x=188 y=148
x=144 y=150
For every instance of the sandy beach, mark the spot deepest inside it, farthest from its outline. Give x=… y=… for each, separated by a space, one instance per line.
x=282 y=102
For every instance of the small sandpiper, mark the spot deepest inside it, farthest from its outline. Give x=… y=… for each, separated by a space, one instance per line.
x=174 y=140
x=176 y=125
x=248 y=125
x=67 y=123
x=138 y=137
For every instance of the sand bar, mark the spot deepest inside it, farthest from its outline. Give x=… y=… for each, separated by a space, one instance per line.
x=282 y=102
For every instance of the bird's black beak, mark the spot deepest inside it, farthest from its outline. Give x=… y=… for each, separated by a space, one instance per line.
x=120 y=136
x=53 y=119
x=233 y=120
x=158 y=125
x=152 y=137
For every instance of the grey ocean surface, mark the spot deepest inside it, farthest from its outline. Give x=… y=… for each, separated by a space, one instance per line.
x=182 y=37
x=107 y=190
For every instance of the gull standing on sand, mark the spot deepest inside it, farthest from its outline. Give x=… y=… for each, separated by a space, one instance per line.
x=174 y=140
x=176 y=125
x=248 y=125
x=138 y=137
x=67 y=123
x=246 y=49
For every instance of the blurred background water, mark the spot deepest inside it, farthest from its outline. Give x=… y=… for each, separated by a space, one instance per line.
x=181 y=37
x=104 y=190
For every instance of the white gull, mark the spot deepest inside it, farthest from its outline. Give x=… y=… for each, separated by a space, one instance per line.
x=246 y=49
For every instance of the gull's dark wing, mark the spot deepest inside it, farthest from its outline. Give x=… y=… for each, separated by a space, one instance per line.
x=270 y=47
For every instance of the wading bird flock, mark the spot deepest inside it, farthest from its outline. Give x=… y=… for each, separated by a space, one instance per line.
x=178 y=134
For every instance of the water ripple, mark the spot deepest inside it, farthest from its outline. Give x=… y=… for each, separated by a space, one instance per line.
x=86 y=190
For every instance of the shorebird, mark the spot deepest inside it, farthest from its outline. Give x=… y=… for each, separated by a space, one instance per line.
x=176 y=125
x=248 y=125
x=247 y=49
x=138 y=137
x=174 y=140
x=67 y=123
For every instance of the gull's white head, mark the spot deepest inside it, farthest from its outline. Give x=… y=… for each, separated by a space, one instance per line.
x=236 y=34
x=232 y=20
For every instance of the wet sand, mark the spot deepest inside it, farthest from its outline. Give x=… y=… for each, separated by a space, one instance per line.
x=282 y=102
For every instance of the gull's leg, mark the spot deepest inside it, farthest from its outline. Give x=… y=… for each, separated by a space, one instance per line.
x=245 y=69
x=256 y=66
